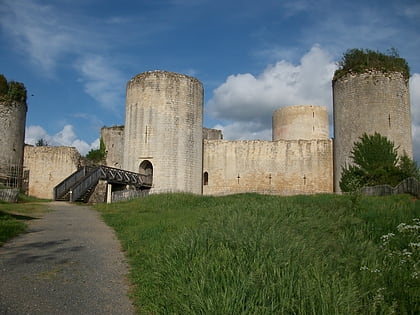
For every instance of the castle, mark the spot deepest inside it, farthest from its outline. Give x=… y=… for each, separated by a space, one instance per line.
x=163 y=137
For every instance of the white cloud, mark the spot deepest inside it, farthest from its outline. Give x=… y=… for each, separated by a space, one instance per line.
x=38 y=32
x=240 y=130
x=101 y=81
x=50 y=37
x=415 y=113
x=248 y=101
x=65 y=137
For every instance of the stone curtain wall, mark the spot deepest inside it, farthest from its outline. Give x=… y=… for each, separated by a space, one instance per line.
x=368 y=103
x=408 y=186
x=113 y=138
x=163 y=125
x=278 y=167
x=48 y=166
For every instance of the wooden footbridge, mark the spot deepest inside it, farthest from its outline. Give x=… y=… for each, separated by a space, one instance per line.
x=80 y=185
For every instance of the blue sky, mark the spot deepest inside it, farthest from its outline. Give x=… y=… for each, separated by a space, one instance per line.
x=253 y=57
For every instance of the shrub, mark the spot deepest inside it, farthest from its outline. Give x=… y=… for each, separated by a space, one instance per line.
x=376 y=162
x=363 y=60
x=97 y=156
x=12 y=91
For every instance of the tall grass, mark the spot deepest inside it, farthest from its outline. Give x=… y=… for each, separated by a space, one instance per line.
x=254 y=254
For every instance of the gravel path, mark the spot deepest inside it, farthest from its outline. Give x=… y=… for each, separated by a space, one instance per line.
x=69 y=262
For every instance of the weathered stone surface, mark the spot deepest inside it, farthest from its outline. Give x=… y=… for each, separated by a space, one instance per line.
x=212 y=134
x=12 y=135
x=368 y=103
x=48 y=166
x=275 y=167
x=164 y=121
x=300 y=122
x=113 y=138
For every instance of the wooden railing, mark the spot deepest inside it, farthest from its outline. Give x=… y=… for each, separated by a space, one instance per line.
x=77 y=184
x=61 y=189
x=407 y=186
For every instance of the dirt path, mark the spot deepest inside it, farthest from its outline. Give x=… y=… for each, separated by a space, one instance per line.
x=69 y=262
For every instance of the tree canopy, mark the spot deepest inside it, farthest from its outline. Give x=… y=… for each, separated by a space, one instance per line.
x=12 y=91
x=97 y=156
x=376 y=162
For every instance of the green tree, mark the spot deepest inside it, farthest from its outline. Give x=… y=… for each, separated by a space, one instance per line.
x=41 y=143
x=4 y=88
x=408 y=167
x=97 y=156
x=376 y=162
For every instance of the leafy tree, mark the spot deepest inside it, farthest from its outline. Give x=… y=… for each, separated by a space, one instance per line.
x=408 y=167
x=376 y=162
x=41 y=143
x=12 y=91
x=97 y=156
x=4 y=88
x=373 y=152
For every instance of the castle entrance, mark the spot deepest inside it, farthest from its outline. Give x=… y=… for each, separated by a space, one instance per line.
x=146 y=168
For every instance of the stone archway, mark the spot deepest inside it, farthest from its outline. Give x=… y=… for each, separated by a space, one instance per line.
x=146 y=168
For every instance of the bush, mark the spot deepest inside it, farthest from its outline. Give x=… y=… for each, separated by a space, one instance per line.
x=97 y=156
x=363 y=60
x=12 y=91
x=376 y=162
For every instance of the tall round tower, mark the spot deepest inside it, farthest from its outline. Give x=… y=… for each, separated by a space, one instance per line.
x=300 y=122
x=13 y=110
x=163 y=130
x=369 y=102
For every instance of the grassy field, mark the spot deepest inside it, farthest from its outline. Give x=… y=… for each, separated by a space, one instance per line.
x=13 y=216
x=254 y=254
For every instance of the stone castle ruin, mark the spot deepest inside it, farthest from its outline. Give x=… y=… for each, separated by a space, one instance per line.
x=163 y=139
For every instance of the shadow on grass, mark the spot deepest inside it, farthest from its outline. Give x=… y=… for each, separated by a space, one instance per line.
x=16 y=216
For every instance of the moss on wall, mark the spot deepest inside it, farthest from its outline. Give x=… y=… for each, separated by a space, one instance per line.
x=364 y=60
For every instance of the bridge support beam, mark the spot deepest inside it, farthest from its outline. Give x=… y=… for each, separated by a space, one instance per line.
x=109 y=193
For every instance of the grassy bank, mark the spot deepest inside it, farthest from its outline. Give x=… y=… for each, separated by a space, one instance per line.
x=13 y=216
x=253 y=254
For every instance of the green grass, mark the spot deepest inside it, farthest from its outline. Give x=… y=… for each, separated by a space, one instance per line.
x=254 y=254
x=13 y=216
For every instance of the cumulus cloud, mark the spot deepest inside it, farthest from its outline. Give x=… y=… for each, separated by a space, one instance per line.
x=101 y=81
x=248 y=101
x=49 y=37
x=36 y=30
x=65 y=137
x=415 y=113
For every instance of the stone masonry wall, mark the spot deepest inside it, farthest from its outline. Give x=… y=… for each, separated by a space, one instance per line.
x=113 y=138
x=278 y=167
x=212 y=134
x=12 y=135
x=164 y=121
x=300 y=122
x=368 y=103
x=48 y=166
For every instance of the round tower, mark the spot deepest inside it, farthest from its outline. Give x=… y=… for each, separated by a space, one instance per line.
x=13 y=110
x=163 y=130
x=370 y=102
x=300 y=122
